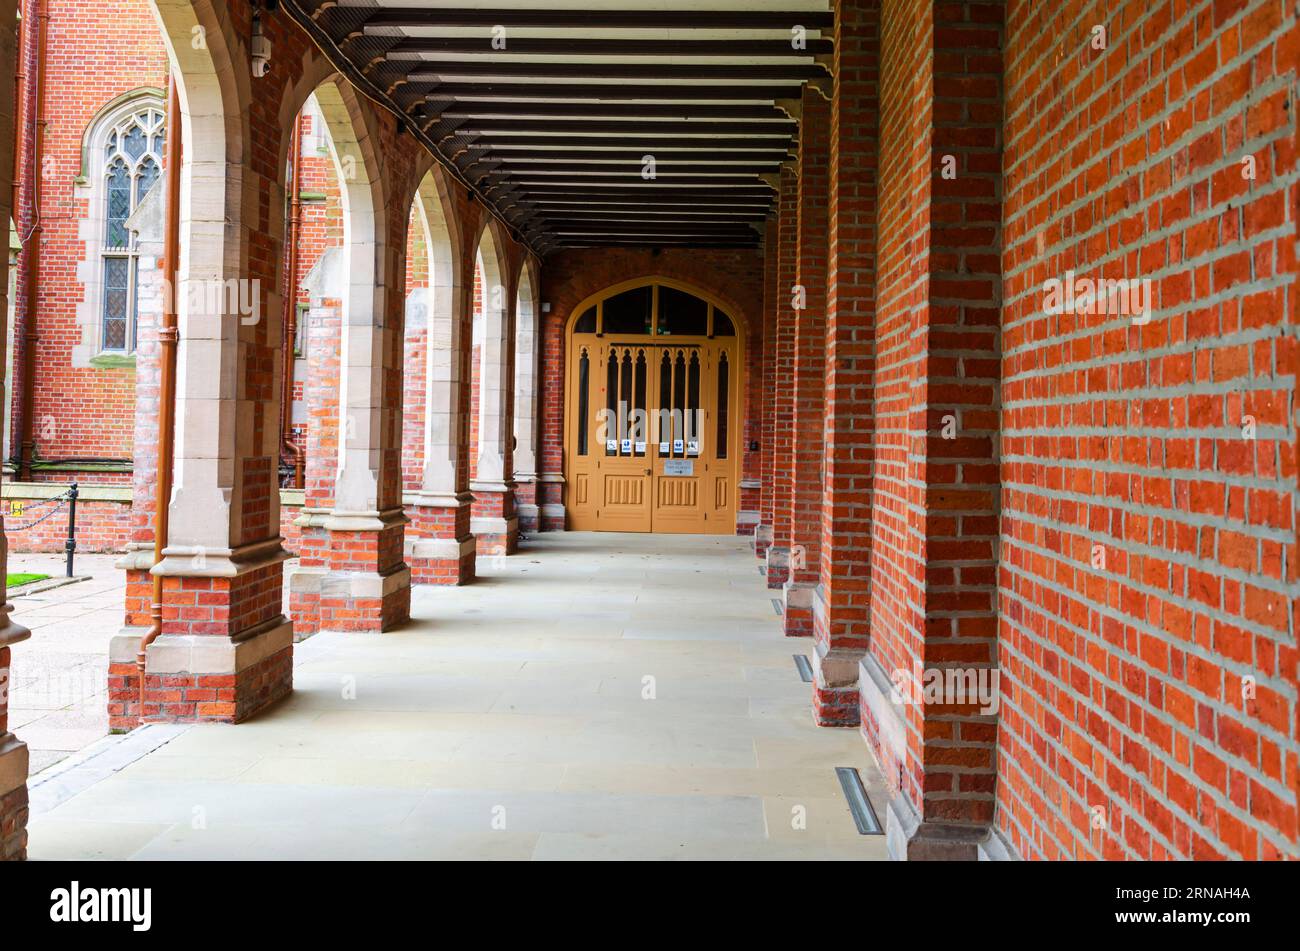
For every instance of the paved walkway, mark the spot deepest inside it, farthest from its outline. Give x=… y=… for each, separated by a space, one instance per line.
x=58 y=698
x=596 y=696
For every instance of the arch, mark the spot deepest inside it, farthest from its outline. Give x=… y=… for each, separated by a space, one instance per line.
x=360 y=285
x=496 y=379
x=738 y=317
x=119 y=105
x=436 y=220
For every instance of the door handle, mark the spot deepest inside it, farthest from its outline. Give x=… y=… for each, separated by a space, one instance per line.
x=649 y=472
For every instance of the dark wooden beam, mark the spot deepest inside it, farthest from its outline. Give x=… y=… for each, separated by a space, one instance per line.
x=651 y=192
x=432 y=73
x=665 y=209
x=490 y=126
x=614 y=170
x=514 y=144
x=528 y=157
x=383 y=21
x=412 y=47
x=585 y=111
x=642 y=226
x=630 y=179
x=578 y=242
x=463 y=92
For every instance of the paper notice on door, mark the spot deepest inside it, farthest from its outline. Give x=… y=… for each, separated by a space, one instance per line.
x=679 y=467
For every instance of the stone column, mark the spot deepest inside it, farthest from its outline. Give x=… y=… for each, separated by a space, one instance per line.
x=525 y=421
x=495 y=524
x=440 y=547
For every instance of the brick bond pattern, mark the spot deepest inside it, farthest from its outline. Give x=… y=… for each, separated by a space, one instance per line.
x=97 y=51
x=1148 y=558
x=807 y=387
x=841 y=612
x=782 y=363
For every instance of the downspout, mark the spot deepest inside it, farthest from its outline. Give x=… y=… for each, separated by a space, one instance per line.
x=29 y=274
x=168 y=335
x=290 y=450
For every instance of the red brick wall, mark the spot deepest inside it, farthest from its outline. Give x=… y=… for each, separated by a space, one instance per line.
x=842 y=621
x=897 y=555
x=96 y=51
x=1148 y=562
x=102 y=526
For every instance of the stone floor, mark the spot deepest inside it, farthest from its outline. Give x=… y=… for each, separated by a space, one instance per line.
x=595 y=696
x=58 y=698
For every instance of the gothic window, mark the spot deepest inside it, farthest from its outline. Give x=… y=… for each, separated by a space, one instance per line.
x=131 y=163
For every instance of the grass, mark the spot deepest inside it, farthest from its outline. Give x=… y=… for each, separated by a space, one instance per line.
x=13 y=581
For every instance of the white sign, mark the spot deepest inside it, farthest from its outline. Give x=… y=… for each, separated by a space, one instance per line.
x=679 y=467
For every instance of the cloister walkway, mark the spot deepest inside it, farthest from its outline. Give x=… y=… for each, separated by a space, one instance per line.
x=595 y=696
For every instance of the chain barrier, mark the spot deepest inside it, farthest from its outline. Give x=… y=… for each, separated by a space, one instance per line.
x=57 y=501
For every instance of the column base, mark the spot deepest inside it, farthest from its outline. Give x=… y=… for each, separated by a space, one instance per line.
x=496 y=537
x=836 y=699
x=762 y=539
x=746 y=523
x=494 y=523
x=777 y=566
x=551 y=516
x=798 y=615
x=139 y=582
x=124 y=680
x=446 y=561
x=361 y=582
x=324 y=599
x=526 y=507
x=14 y=810
x=439 y=546
x=201 y=678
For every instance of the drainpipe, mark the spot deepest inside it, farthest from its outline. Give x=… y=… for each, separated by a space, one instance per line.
x=29 y=273
x=288 y=448
x=168 y=336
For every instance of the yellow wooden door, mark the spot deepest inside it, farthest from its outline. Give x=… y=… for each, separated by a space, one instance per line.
x=653 y=426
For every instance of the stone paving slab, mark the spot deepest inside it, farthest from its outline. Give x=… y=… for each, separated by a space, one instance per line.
x=597 y=696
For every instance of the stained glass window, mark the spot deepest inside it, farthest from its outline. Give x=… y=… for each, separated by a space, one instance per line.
x=133 y=152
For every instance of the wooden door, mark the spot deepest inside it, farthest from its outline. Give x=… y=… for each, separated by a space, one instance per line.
x=653 y=421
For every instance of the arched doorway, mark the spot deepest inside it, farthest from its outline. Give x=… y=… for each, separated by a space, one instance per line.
x=652 y=415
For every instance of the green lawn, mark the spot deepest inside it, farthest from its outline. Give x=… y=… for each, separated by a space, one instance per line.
x=12 y=581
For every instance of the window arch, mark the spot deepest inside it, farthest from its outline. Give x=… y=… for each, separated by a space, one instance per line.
x=652 y=308
x=125 y=157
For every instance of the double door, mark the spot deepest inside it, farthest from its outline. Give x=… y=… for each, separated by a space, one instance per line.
x=655 y=447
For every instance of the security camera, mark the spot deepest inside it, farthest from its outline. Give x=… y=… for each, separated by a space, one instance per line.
x=260 y=49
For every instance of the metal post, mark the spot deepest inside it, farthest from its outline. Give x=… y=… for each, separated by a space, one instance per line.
x=70 y=546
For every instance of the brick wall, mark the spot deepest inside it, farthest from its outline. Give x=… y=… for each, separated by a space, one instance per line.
x=897 y=554
x=1148 y=562
x=97 y=50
